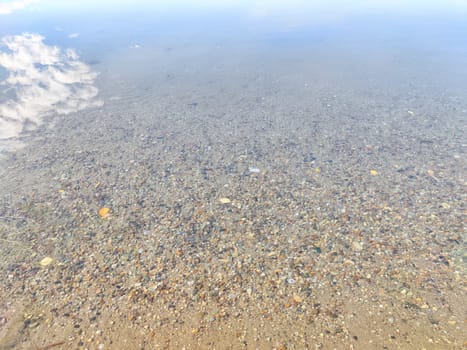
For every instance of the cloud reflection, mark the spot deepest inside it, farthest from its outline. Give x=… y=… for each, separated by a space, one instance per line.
x=41 y=80
x=9 y=7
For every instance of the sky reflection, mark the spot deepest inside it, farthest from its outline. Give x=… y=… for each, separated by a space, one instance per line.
x=38 y=79
x=317 y=9
x=42 y=79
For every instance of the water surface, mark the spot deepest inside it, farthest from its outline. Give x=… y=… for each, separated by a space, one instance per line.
x=275 y=176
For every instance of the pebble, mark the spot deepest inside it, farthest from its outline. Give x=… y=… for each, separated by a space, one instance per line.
x=46 y=261
x=104 y=212
x=357 y=246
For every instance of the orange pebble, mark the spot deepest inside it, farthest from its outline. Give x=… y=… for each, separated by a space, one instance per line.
x=104 y=212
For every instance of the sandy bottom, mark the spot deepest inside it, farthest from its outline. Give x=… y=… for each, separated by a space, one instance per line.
x=259 y=218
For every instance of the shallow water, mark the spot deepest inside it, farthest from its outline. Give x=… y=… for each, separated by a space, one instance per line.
x=274 y=179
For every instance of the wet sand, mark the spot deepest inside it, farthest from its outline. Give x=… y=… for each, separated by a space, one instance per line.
x=248 y=209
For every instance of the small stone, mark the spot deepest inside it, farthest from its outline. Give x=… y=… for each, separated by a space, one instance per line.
x=357 y=246
x=373 y=172
x=224 y=200
x=104 y=212
x=297 y=298
x=46 y=261
x=254 y=170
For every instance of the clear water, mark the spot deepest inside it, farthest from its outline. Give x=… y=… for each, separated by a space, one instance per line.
x=277 y=175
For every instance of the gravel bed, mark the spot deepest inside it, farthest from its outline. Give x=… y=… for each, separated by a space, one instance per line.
x=247 y=210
